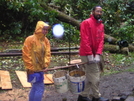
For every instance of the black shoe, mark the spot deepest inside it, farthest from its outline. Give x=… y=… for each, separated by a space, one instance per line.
x=100 y=99
x=81 y=98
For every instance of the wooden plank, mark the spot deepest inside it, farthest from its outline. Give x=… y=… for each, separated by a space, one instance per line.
x=48 y=79
x=0 y=80
x=76 y=61
x=23 y=78
x=5 y=80
x=20 y=54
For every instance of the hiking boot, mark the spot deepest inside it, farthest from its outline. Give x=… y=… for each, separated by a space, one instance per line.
x=100 y=99
x=81 y=98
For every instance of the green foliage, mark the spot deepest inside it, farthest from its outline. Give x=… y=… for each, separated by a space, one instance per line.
x=79 y=9
x=115 y=13
x=126 y=31
x=21 y=17
x=119 y=63
x=71 y=33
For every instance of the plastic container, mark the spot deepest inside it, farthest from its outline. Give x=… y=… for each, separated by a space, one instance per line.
x=60 y=81
x=76 y=81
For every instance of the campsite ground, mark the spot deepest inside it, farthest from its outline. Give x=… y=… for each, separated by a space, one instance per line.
x=112 y=85
x=117 y=80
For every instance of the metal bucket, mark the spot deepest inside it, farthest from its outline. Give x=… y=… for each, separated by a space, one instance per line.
x=76 y=81
x=60 y=81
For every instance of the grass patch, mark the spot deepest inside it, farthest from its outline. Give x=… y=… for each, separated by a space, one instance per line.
x=129 y=70
x=112 y=71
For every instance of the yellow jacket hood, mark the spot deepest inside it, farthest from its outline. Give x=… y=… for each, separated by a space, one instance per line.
x=39 y=28
x=36 y=49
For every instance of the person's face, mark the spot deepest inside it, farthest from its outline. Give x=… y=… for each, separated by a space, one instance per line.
x=45 y=30
x=97 y=13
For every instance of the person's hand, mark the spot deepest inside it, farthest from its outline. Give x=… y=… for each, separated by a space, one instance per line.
x=90 y=59
x=29 y=71
x=97 y=58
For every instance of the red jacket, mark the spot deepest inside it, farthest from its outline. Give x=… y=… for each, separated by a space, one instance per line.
x=91 y=37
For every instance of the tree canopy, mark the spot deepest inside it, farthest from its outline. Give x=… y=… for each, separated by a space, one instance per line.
x=19 y=17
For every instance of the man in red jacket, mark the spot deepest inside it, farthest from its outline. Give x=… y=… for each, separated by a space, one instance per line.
x=91 y=47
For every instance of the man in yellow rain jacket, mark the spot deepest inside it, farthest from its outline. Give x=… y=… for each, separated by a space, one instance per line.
x=36 y=56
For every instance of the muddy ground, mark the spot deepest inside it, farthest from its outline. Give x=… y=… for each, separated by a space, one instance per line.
x=110 y=86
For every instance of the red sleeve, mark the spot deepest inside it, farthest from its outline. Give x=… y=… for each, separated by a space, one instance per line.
x=85 y=32
x=101 y=43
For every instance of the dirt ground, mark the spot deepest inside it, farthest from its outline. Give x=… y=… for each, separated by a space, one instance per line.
x=110 y=86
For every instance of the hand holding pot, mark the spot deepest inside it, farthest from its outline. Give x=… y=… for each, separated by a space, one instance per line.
x=97 y=58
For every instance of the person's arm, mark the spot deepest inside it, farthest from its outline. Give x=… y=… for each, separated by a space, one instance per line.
x=85 y=32
x=26 y=55
x=47 y=53
x=101 y=43
x=100 y=46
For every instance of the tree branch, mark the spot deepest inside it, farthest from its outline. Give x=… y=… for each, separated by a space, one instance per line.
x=62 y=16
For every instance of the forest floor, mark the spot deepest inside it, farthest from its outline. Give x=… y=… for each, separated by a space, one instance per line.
x=113 y=85
x=116 y=81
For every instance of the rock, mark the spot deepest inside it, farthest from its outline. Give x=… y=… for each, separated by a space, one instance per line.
x=116 y=99
x=130 y=98
x=123 y=98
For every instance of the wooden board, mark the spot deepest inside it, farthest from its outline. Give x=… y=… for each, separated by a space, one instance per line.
x=48 y=79
x=0 y=81
x=23 y=78
x=75 y=61
x=5 y=80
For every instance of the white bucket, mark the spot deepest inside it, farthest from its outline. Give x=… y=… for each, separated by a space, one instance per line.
x=60 y=81
x=77 y=81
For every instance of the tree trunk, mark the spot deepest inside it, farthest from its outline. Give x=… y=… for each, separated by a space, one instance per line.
x=117 y=49
x=131 y=48
x=65 y=18
x=110 y=39
x=62 y=16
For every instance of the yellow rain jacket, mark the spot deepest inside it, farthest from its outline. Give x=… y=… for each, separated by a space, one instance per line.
x=36 y=50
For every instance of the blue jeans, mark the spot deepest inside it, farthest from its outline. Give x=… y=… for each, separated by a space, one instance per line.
x=37 y=91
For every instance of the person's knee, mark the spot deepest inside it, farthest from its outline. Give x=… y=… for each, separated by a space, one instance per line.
x=94 y=82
